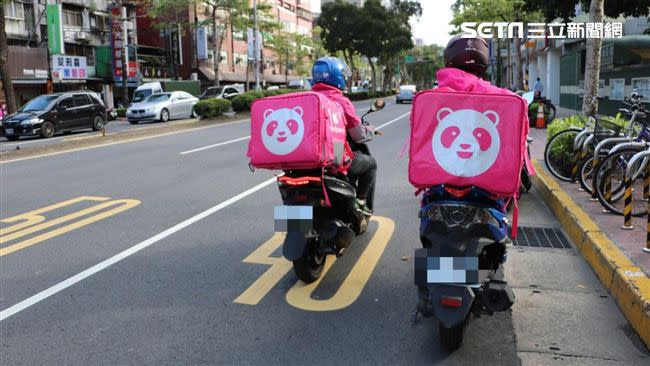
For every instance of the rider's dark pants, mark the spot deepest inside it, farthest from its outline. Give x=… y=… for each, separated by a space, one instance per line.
x=363 y=168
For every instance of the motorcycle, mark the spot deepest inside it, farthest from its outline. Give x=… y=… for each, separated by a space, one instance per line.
x=459 y=270
x=319 y=214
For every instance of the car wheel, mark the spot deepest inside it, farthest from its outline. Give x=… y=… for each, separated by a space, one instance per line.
x=12 y=137
x=133 y=122
x=164 y=115
x=194 y=115
x=47 y=129
x=98 y=123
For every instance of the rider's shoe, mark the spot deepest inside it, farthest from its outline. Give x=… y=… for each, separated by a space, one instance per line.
x=363 y=207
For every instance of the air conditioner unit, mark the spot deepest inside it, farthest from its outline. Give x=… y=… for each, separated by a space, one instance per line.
x=82 y=35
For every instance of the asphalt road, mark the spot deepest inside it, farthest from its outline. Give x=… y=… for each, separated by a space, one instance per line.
x=162 y=251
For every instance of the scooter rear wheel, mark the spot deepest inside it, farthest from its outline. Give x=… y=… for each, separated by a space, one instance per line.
x=451 y=338
x=309 y=267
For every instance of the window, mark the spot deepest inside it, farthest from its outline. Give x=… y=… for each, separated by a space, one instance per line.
x=238 y=36
x=66 y=102
x=241 y=59
x=14 y=10
x=101 y=22
x=616 y=89
x=81 y=100
x=223 y=57
x=72 y=18
x=642 y=86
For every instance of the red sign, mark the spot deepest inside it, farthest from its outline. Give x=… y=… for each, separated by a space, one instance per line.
x=117 y=43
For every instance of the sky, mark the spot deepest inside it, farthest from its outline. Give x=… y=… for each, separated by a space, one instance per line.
x=433 y=26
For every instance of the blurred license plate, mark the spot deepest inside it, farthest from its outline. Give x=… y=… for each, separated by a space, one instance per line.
x=293 y=218
x=431 y=268
x=9 y=131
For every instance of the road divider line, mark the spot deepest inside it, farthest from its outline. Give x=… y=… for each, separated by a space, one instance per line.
x=393 y=121
x=127 y=140
x=35 y=299
x=215 y=145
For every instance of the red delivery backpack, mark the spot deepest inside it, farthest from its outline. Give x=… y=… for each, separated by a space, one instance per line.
x=468 y=139
x=302 y=130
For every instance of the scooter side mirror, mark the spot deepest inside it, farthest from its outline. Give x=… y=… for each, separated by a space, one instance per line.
x=377 y=104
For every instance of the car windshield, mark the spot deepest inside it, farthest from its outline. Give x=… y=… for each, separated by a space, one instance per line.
x=40 y=103
x=140 y=95
x=158 y=98
x=213 y=91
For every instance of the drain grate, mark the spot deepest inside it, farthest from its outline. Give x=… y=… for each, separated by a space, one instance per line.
x=541 y=237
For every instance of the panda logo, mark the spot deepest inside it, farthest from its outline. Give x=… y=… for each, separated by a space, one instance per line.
x=283 y=130
x=466 y=142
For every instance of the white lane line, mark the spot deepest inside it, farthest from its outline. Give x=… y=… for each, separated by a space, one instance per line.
x=393 y=120
x=121 y=142
x=4 y=314
x=214 y=145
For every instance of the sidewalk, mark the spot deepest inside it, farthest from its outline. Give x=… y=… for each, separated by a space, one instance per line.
x=614 y=254
x=630 y=242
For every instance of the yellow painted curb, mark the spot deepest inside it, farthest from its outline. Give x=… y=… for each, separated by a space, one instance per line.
x=627 y=283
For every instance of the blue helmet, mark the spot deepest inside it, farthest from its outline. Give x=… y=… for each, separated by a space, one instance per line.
x=331 y=71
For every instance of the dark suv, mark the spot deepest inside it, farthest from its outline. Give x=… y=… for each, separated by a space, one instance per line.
x=51 y=113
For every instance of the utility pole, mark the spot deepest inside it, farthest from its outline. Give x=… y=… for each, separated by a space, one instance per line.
x=255 y=45
x=125 y=58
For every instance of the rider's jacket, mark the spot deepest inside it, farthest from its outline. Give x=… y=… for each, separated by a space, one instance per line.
x=358 y=132
x=460 y=80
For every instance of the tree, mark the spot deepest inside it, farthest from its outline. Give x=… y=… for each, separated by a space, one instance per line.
x=565 y=9
x=498 y=11
x=427 y=60
x=592 y=62
x=171 y=15
x=7 y=86
x=339 y=24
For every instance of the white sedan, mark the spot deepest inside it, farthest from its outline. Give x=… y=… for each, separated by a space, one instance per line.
x=163 y=107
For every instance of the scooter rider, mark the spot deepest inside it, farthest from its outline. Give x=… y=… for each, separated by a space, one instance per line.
x=329 y=76
x=466 y=60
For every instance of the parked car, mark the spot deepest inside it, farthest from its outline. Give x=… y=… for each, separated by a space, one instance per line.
x=162 y=107
x=48 y=114
x=273 y=87
x=304 y=84
x=225 y=92
x=143 y=91
x=405 y=93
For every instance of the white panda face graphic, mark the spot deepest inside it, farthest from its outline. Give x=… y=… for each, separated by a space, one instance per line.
x=466 y=142
x=283 y=130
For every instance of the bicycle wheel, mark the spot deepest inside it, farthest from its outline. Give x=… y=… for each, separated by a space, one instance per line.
x=549 y=112
x=559 y=156
x=610 y=183
x=586 y=174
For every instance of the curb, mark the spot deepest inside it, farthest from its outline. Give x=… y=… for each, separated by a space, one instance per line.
x=626 y=283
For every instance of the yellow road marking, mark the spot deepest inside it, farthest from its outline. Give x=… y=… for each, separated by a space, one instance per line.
x=279 y=268
x=122 y=205
x=35 y=217
x=300 y=294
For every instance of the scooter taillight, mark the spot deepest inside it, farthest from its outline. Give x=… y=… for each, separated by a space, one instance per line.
x=451 y=301
x=301 y=181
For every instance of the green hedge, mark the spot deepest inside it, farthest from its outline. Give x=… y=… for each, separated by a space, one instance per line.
x=121 y=112
x=369 y=95
x=213 y=107
x=243 y=101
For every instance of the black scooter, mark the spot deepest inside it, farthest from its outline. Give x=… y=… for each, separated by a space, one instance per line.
x=319 y=214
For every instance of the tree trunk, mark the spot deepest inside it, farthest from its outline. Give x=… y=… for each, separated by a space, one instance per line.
x=517 y=72
x=218 y=42
x=592 y=67
x=7 y=86
x=374 y=74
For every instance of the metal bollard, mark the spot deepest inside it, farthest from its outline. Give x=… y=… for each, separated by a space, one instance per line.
x=647 y=235
x=627 y=210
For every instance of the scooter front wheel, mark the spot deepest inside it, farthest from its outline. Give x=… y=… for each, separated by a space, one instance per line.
x=309 y=267
x=451 y=338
